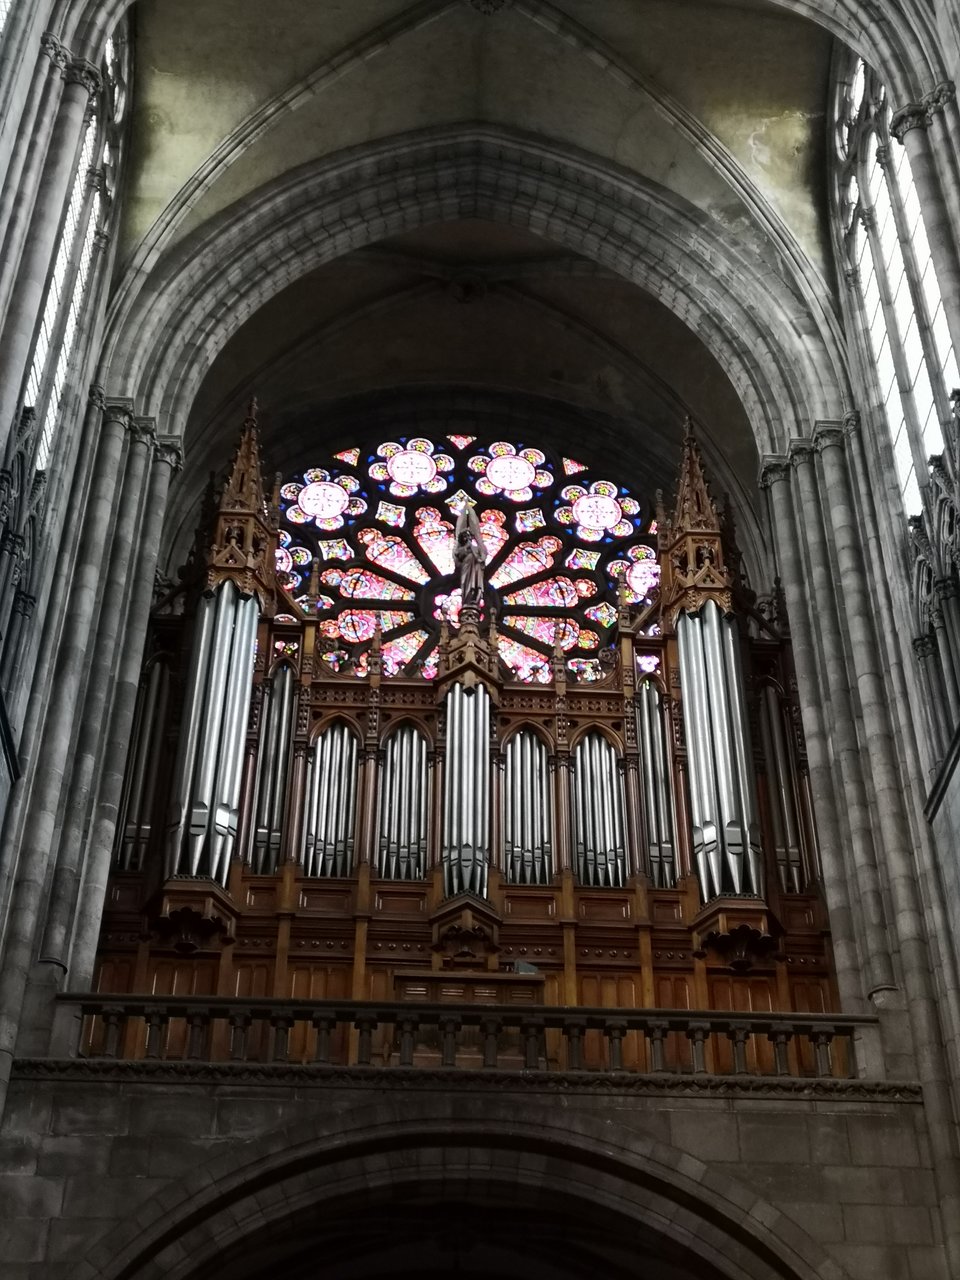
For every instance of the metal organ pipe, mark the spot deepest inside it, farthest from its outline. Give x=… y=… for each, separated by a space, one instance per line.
x=656 y=785
x=725 y=829
x=466 y=816
x=527 y=840
x=137 y=813
x=331 y=804
x=272 y=770
x=402 y=838
x=598 y=812
x=207 y=776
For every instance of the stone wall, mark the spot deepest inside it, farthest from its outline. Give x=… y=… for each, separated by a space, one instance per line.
x=98 y=1161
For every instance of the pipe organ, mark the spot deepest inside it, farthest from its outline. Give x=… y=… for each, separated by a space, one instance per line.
x=354 y=765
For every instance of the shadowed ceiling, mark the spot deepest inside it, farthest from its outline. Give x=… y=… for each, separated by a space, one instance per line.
x=720 y=104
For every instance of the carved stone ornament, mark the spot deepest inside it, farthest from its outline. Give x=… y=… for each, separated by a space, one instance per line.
x=193 y=915
x=914 y=115
x=936 y=100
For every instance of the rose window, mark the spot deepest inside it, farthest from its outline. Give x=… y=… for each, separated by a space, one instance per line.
x=368 y=544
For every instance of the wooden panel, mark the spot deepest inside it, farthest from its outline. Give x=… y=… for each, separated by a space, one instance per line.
x=181 y=977
x=404 y=904
x=742 y=995
x=608 y=907
x=337 y=900
x=262 y=897
x=672 y=991
x=317 y=982
x=530 y=906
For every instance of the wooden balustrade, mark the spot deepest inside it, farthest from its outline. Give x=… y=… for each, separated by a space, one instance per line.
x=485 y=1037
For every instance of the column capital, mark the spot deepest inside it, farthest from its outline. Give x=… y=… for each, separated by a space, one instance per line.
x=852 y=423
x=55 y=50
x=912 y=116
x=119 y=410
x=828 y=435
x=774 y=468
x=923 y=646
x=80 y=71
x=168 y=450
x=936 y=100
x=143 y=430
x=801 y=452
x=852 y=277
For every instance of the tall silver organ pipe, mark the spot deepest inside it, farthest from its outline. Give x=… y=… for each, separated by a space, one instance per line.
x=273 y=769
x=784 y=816
x=141 y=779
x=598 y=813
x=328 y=840
x=467 y=785
x=726 y=834
x=657 y=792
x=206 y=790
x=527 y=810
x=403 y=807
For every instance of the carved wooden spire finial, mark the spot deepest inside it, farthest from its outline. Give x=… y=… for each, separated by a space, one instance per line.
x=245 y=540
x=694 y=564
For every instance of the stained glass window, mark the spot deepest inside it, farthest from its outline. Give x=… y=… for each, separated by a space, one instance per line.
x=558 y=553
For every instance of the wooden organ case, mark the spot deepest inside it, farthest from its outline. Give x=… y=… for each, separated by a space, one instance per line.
x=306 y=818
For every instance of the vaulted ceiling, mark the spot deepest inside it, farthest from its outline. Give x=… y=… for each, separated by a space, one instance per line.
x=720 y=105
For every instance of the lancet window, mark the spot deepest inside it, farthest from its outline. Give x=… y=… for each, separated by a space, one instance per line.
x=888 y=260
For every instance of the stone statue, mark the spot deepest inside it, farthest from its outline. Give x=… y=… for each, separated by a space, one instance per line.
x=470 y=558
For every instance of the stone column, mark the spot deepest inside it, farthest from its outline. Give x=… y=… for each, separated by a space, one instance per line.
x=96 y=706
x=166 y=460
x=847 y=747
x=52 y=754
x=910 y=126
x=82 y=83
x=776 y=479
x=902 y=869
x=23 y=172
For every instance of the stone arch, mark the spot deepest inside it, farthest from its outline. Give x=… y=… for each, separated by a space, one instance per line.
x=656 y=1189
x=903 y=47
x=787 y=369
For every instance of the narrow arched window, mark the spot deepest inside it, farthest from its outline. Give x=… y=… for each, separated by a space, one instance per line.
x=404 y=806
x=889 y=267
x=527 y=810
x=598 y=813
x=329 y=830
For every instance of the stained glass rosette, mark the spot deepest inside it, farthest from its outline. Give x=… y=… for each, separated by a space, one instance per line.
x=411 y=468
x=599 y=511
x=322 y=500
x=638 y=573
x=393 y=572
x=504 y=470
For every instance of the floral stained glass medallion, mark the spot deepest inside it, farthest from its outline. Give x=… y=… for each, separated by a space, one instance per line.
x=380 y=523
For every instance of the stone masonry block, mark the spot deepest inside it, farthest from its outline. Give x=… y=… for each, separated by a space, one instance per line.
x=780 y=1138
x=896 y=1224
x=708 y=1138
x=22 y=1240
x=883 y=1140
x=29 y=1197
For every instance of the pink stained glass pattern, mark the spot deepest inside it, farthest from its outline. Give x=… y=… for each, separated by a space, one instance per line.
x=493 y=533
x=364 y=584
x=648 y=663
x=390 y=552
x=545 y=629
x=461 y=442
x=585 y=669
x=572 y=468
x=553 y=593
x=350 y=456
x=580 y=558
x=431 y=665
x=435 y=536
x=309 y=606
x=588 y=640
x=525 y=663
x=398 y=652
x=526 y=560
x=390 y=513
x=358 y=625
x=286 y=648
x=286 y=617
x=284 y=560
x=653 y=527
x=527 y=521
x=335 y=549
x=604 y=613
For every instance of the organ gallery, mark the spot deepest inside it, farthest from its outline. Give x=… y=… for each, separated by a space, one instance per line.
x=463 y=719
